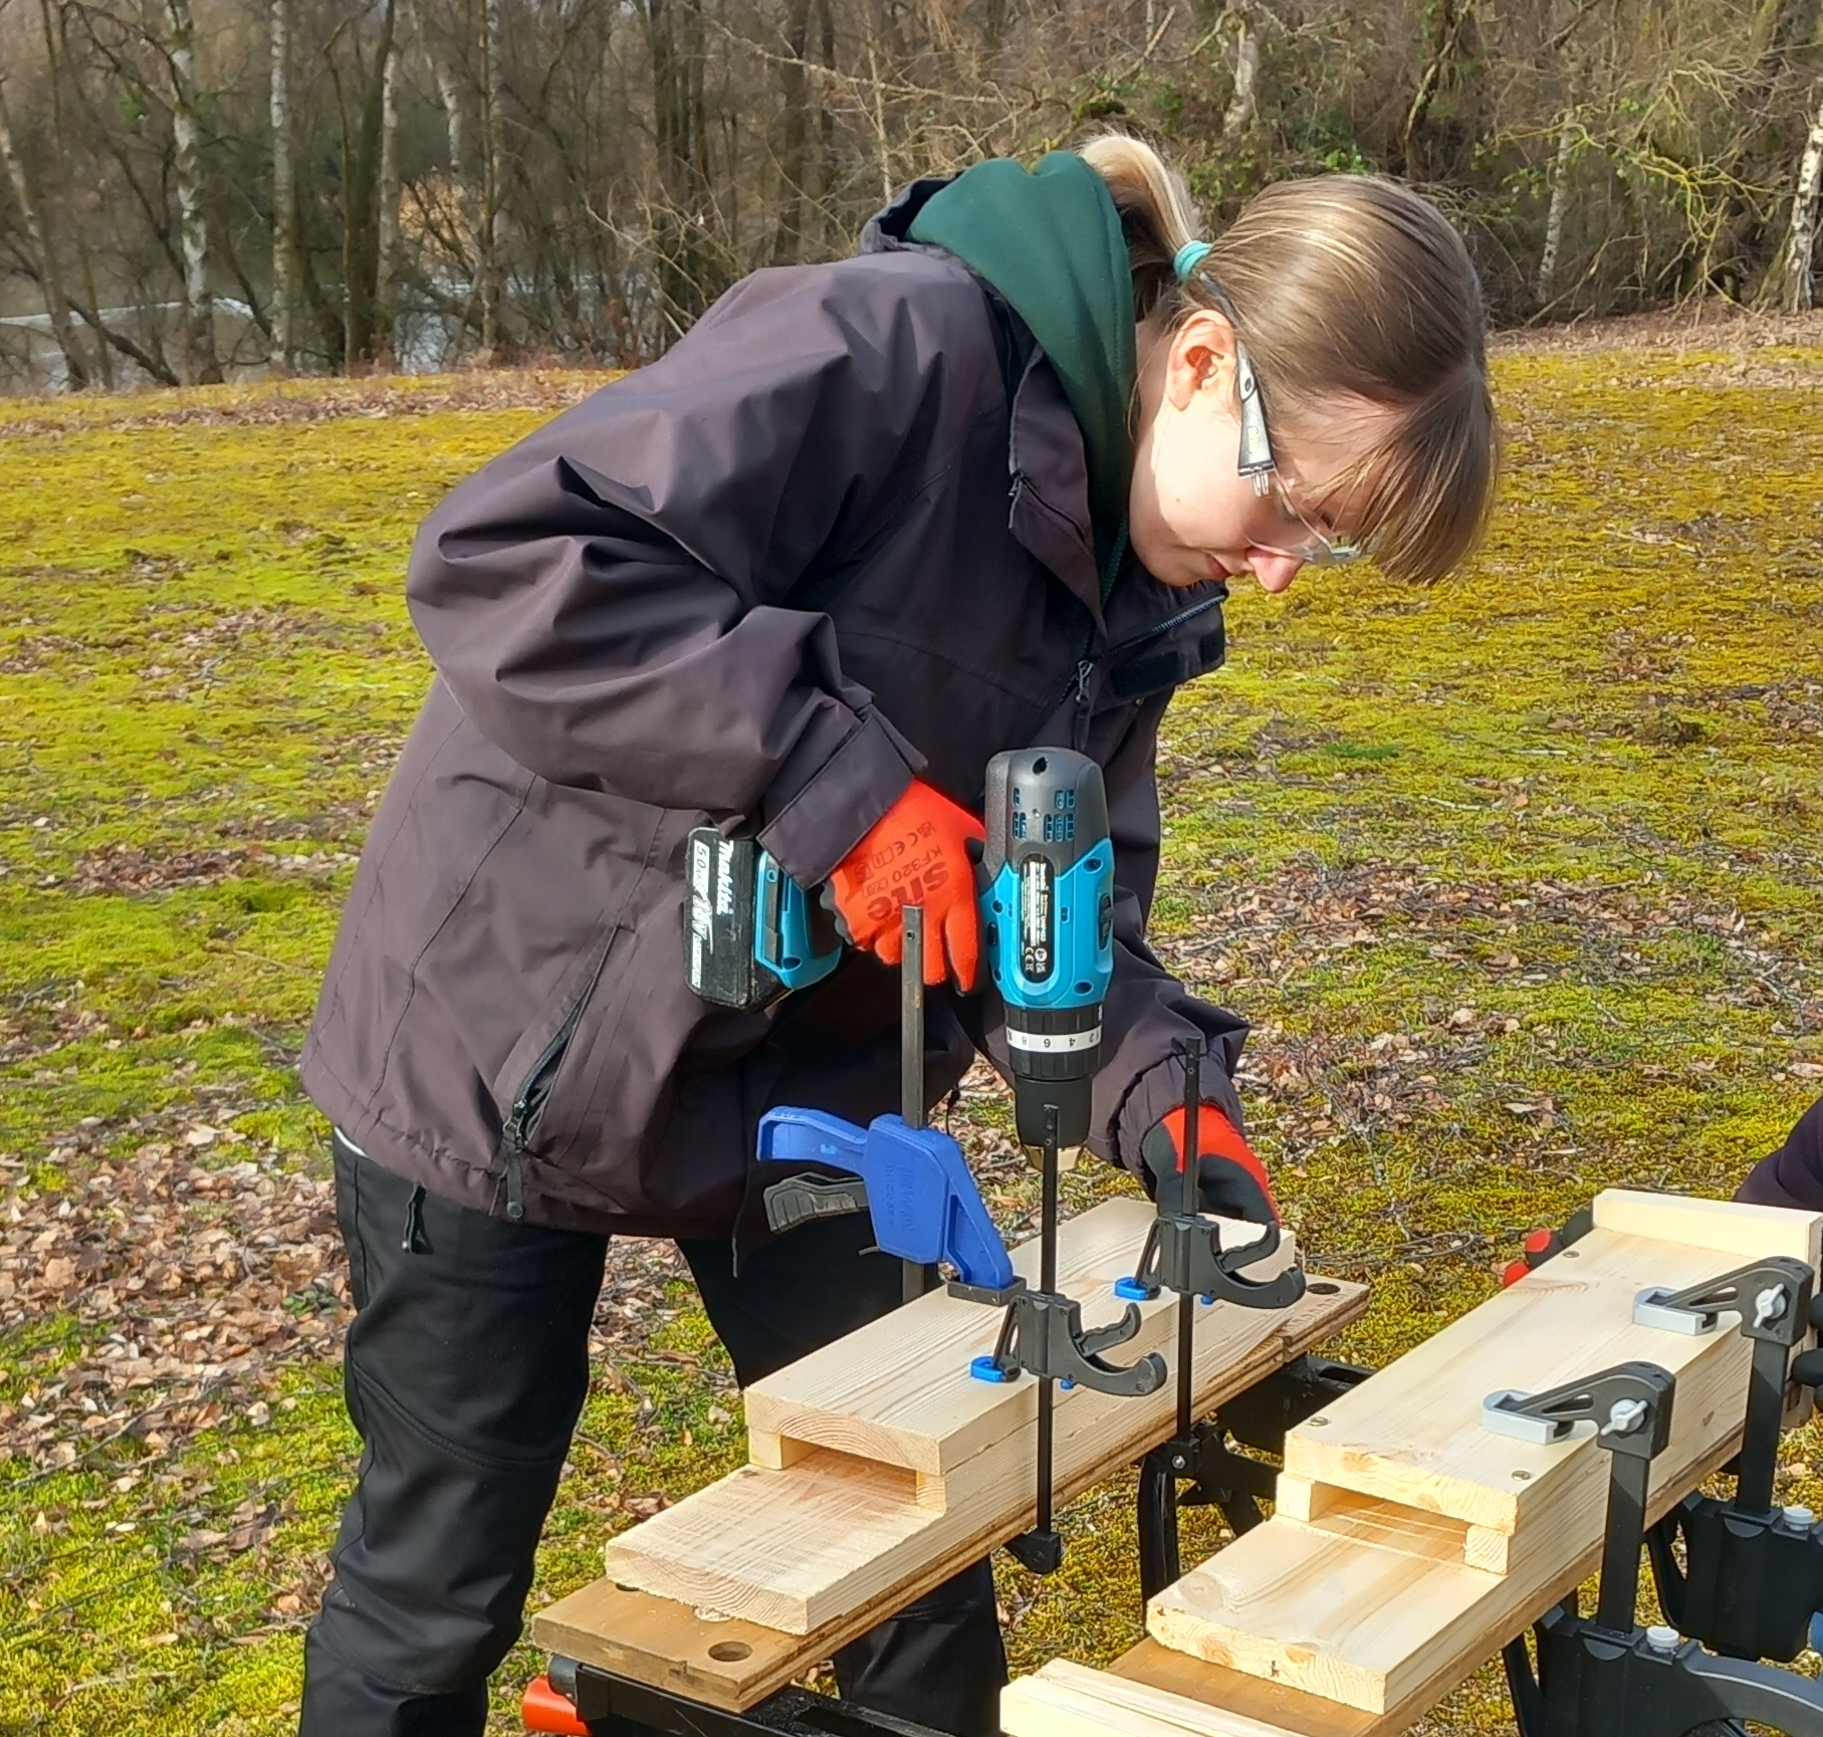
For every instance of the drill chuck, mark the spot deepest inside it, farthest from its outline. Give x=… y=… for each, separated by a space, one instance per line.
x=1048 y=914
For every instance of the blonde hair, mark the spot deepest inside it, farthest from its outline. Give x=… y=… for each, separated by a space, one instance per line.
x=1341 y=284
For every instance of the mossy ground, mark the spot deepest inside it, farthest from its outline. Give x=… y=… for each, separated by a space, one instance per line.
x=1518 y=877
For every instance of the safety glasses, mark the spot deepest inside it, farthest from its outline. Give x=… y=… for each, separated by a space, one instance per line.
x=1303 y=541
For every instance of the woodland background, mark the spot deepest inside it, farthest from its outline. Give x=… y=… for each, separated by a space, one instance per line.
x=199 y=187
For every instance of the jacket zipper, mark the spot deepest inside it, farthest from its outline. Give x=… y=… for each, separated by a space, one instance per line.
x=1079 y=725
x=527 y=1105
x=1086 y=665
x=1162 y=627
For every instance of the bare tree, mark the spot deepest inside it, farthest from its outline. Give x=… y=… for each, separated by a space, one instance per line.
x=1568 y=132
x=794 y=99
x=1801 y=241
x=386 y=263
x=582 y=177
x=199 y=304
x=60 y=144
x=491 y=75
x=44 y=260
x=1243 y=106
x=284 y=191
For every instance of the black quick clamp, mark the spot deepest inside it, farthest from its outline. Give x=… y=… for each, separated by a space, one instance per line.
x=1208 y=1470
x=1605 y=1676
x=1183 y=1254
x=1043 y=1335
x=1753 y=1572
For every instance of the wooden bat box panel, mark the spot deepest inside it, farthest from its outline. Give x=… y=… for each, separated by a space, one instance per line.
x=1406 y=1533
x=880 y=1455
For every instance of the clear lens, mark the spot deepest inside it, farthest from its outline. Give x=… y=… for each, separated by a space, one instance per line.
x=1303 y=541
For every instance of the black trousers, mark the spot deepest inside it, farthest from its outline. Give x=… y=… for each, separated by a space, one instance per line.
x=465 y=1373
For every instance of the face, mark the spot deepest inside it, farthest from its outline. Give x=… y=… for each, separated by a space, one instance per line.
x=1191 y=516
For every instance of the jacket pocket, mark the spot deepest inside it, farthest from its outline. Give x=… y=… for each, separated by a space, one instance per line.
x=538 y=1078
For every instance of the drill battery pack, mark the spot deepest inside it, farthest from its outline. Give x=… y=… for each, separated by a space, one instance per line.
x=752 y=933
x=720 y=916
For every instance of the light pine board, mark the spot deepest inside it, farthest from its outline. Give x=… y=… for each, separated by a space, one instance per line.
x=1413 y=1434
x=898 y=1391
x=1251 y=1706
x=799 y=1547
x=1407 y=1536
x=1067 y=1700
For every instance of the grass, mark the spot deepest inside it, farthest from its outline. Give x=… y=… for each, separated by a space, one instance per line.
x=1517 y=877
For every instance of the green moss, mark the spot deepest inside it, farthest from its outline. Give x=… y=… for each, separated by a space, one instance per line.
x=1586 y=769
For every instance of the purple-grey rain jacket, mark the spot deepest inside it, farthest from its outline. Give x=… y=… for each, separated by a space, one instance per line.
x=836 y=537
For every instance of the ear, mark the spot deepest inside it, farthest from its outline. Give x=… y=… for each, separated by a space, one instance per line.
x=1200 y=358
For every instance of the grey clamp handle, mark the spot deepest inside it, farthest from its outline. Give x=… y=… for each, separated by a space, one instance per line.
x=1772 y=1298
x=1183 y=1254
x=1630 y=1406
x=1043 y=1336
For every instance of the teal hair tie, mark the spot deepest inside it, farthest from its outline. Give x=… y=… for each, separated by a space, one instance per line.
x=1189 y=257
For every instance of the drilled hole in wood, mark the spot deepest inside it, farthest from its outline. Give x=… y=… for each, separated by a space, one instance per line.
x=730 y=1652
x=1323 y=1288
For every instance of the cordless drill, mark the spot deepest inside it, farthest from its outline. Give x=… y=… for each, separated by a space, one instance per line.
x=1047 y=919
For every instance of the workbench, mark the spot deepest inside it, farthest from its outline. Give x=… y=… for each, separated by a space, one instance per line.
x=879 y=1468
x=1407 y=1546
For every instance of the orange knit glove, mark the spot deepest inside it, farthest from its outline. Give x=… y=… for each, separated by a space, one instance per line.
x=1230 y=1179
x=917 y=854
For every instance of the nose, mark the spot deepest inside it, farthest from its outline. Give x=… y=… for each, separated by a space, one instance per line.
x=1275 y=572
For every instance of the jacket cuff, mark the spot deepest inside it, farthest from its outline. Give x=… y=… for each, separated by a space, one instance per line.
x=828 y=796
x=1793 y=1175
x=1154 y=1095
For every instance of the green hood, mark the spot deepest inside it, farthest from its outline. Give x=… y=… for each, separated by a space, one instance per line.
x=1050 y=242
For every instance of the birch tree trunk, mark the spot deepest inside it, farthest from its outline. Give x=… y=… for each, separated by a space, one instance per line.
x=1554 y=214
x=284 y=194
x=490 y=179
x=199 y=305
x=44 y=261
x=1244 y=104
x=386 y=262
x=1801 y=242
x=60 y=140
x=455 y=120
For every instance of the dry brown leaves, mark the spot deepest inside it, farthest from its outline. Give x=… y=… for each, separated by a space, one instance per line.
x=1315 y=1088
x=127 y=868
x=1709 y=325
x=191 y=1284
x=195 y=1282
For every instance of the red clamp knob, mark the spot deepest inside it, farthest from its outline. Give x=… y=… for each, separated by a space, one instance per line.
x=545 y=1709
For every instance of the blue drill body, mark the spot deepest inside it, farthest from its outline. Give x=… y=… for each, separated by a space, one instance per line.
x=1048 y=926
x=1047 y=913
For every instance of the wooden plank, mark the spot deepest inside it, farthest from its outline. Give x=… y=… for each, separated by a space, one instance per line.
x=1278 y=1710
x=1395 y=1566
x=1737 y=1232
x=668 y=1643
x=796 y=1549
x=1413 y=1434
x=898 y=1391
x=1066 y=1700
